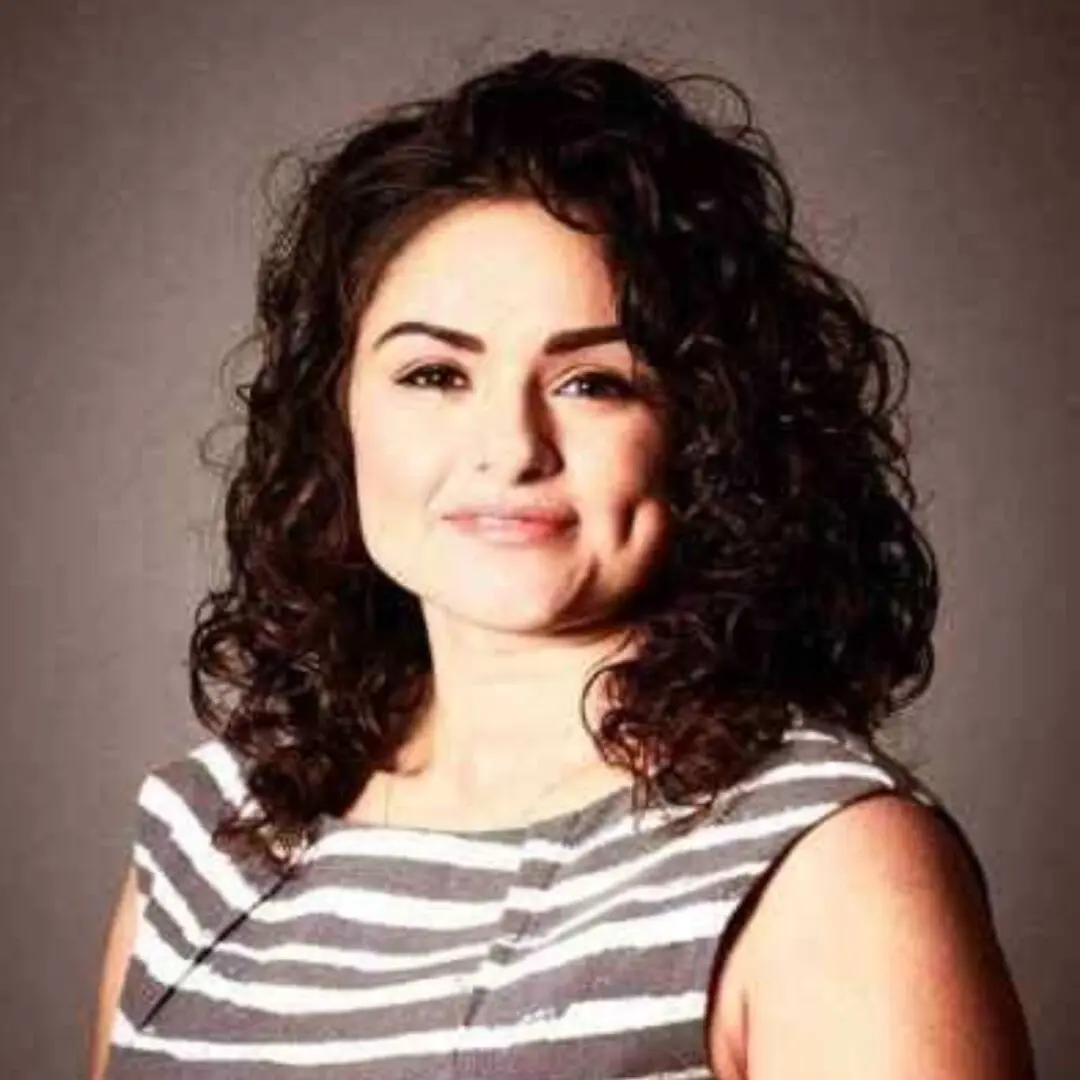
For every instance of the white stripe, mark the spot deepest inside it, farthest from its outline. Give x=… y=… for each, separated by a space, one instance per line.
x=810 y=735
x=353 y=959
x=418 y=846
x=223 y=769
x=702 y=921
x=160 y=960
x=528 y=943
x=372 y=906
x=581 y=1020
x=589 y=1019
x=363 y=960
x=700 y=1072
x=169 y=900
x=213 y=866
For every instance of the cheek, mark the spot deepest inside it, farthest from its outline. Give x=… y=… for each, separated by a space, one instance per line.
x=395 y=470
x=629 y=450
x=624 y=488
x=645 y=529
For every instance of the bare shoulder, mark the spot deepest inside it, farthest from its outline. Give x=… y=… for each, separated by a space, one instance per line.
x=871 y=952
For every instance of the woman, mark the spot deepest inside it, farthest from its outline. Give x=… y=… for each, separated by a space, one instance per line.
x=572 y=577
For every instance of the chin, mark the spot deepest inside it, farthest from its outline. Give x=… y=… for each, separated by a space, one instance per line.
x=508 y=608
x=509 y=616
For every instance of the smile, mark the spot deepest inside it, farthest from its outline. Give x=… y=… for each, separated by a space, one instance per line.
x=510 y=530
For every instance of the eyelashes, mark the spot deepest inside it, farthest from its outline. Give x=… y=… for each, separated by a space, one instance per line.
x=436 y=377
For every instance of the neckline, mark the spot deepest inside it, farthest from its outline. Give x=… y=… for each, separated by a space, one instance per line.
x=555 y=824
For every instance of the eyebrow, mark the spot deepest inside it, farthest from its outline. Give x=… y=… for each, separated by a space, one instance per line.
x=564 y=341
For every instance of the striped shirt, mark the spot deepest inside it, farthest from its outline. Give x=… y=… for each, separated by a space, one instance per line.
x=579 y=947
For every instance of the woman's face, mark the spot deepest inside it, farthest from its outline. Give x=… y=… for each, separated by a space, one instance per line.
x=488 y=406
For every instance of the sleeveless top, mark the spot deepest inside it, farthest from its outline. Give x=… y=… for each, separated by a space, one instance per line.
x=579 y=947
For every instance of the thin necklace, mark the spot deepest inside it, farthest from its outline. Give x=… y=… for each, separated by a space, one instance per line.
x=561 y=779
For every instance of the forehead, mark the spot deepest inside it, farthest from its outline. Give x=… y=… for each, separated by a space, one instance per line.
x=492 y=263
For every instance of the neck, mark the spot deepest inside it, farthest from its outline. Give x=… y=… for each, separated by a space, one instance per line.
x=499 y=712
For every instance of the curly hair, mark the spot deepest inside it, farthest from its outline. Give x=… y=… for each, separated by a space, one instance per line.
x=795 y=580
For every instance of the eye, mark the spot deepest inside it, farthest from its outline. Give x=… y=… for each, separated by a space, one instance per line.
x=612 y=385
x=429 y=376
x=603 y=384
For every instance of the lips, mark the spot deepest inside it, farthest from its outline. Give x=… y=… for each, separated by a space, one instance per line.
x=510 y=530
x=497 y=514
x=512 y=525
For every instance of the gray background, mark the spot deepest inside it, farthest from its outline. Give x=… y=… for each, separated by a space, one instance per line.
x=933 y=147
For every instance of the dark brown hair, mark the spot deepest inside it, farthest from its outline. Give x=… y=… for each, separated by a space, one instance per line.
x=794 y=580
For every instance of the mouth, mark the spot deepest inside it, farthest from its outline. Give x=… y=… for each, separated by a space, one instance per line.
x=510 y=530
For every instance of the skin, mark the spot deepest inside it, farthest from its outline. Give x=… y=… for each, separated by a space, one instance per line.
x=870 y=955
x=119 y=942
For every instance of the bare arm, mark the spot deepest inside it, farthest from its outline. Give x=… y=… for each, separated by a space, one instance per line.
x=871 y=956
x=118 y=946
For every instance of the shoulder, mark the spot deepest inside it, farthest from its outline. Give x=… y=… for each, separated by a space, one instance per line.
x=191 y=791
x=820 y=774
x=872 y=939
x=179 y=805
x=883 y=858
x=188 y=891
x=207 y=777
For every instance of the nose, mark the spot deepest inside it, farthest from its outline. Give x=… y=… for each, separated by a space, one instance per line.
x=511 y=432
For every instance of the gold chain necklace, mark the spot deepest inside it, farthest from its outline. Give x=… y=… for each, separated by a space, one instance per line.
x=561 y=779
